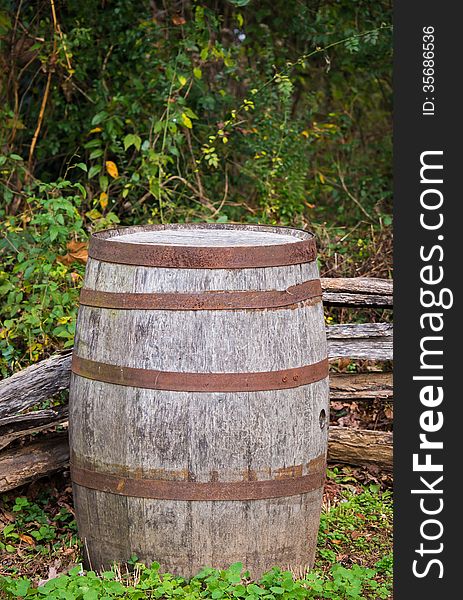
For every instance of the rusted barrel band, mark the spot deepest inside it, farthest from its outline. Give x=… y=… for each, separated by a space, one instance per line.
x=192 y=490
x=202 y=257
x=215 y=300
x=199 y=382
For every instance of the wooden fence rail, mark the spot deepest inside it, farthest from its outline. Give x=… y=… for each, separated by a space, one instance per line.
x=45 y=380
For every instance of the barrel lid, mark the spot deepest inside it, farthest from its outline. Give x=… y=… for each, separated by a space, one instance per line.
x=203 y=246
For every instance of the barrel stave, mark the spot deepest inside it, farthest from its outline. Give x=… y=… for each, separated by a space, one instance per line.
x=187 y=536
x=139 y=434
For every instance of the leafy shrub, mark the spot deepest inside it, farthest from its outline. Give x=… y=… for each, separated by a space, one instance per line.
x=40 y=276
x=269 y=112
x=253 y=108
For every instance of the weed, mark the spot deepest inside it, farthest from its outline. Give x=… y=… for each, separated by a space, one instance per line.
x=354 y=560
x=340 y=584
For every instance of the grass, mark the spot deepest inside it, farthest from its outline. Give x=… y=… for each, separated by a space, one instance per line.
x=40 y=553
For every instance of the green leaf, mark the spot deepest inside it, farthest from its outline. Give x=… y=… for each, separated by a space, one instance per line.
x=96 y=153
x=54 y=232
x=255 y=589
x=93 y=144
x=94 y=171
x=82 y=166
x=190 y=113
x=99 y=117
x=103 y=181
x=132 y=140
x=239 y=2
x=21 y=587
x=197 y=73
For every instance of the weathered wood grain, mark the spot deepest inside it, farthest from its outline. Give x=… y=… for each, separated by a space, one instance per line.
x=360 y=285
x=206 y=437
x=365 y=292
x=210 y=237
x=361 y=386
x=18 y=426
x=360 y=447
x=34 y=384
x=340 y=299
x=370 y=341
x=356 y=447
x=28 y=463
x=111 y=277
x=47 y=378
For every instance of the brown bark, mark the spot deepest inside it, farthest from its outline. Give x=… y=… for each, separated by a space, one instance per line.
x=360 y=447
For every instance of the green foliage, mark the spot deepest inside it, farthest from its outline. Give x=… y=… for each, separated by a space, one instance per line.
x=38 y=285
x=339 y=584
x=359 y=525
x=359 y=513
x=35 y=530
x=268 y=112
x=187 y=106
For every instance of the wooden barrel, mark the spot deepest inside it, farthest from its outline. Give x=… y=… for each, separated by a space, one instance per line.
x=199 y=398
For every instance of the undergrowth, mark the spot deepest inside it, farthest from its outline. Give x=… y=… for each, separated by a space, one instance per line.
x=40 y=554
x=231 y=583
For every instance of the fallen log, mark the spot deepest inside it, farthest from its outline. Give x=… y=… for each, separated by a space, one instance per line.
x=361 y=386
x=358 y=292
x=31 y=462
x=35 y=384
x=360 y=447
x=357 y=447
x=18 y=426
x=362 y=285
x=370 y=341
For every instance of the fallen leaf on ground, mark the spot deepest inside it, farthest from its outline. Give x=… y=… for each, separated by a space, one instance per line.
x=26 y=538
x=389 y=413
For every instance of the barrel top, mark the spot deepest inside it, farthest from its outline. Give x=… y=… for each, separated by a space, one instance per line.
x=204 y=237
x=204 y=245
